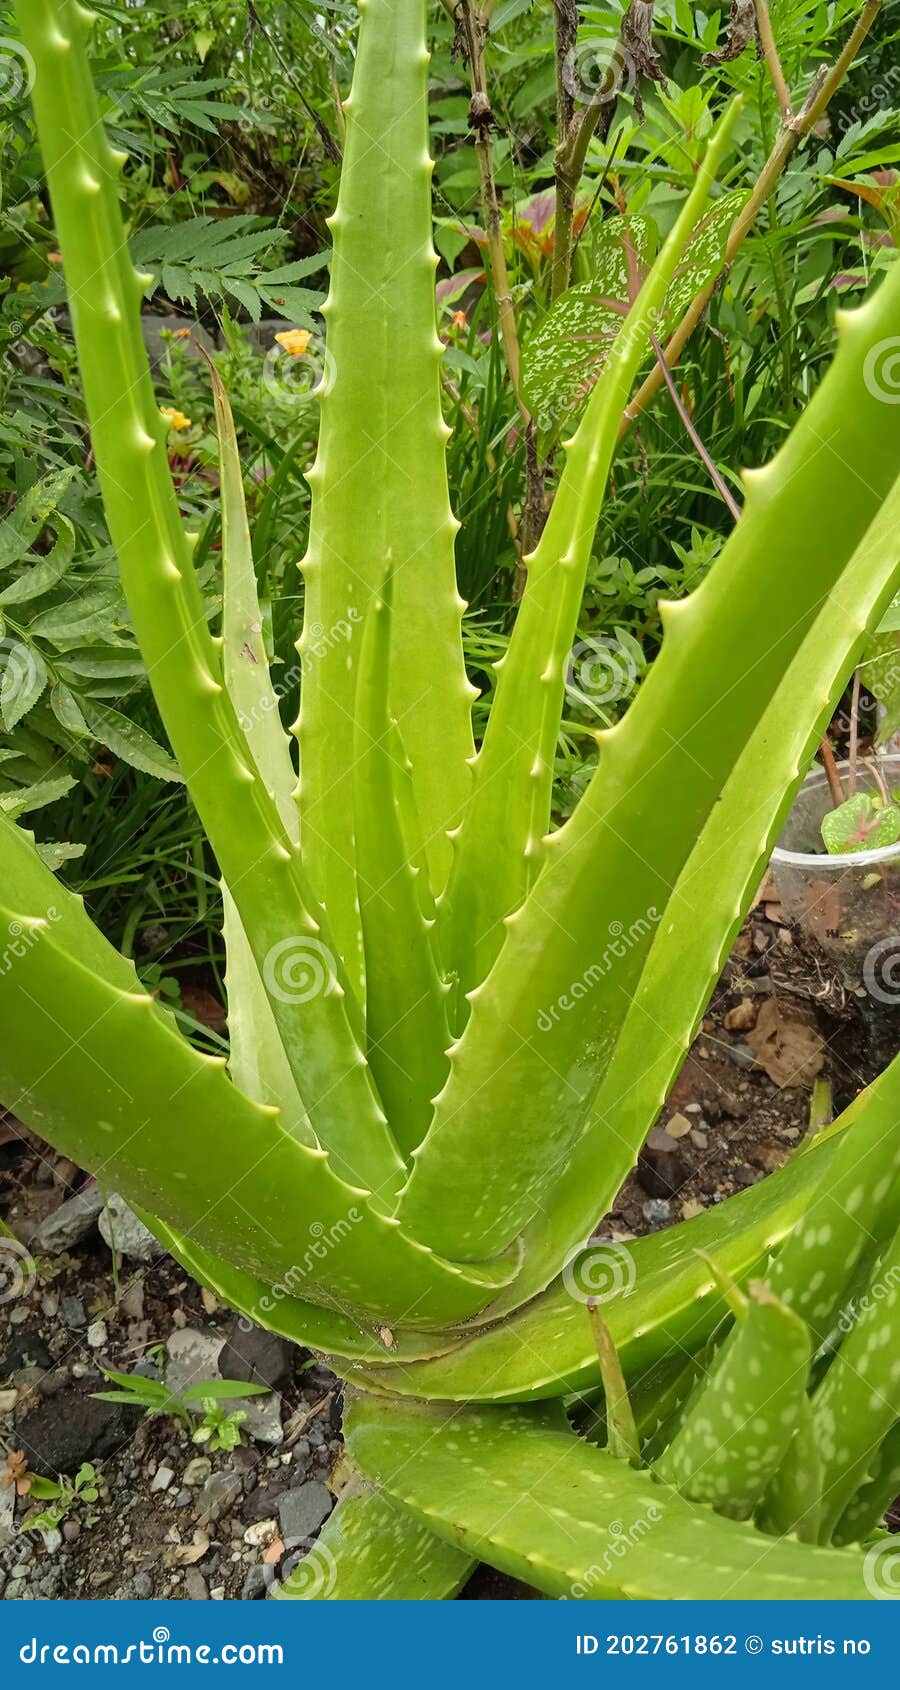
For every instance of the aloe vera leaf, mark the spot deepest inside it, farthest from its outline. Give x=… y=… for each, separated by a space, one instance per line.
x=621 y=1432
x=379 y=484
x=722 y=873
x=792 y=1502
x=522 y=1078
x=865 y=1512
x=406 y=1001
x=859 y=1199
x=735 y=1436
x=220 y=1168
x=278 y=1307
x=254 y=852
x=257 y=1061
x=655 y=1294
x=370 y=1550
x=500 y=845
x=662 y=1397
x=857 y=1403
x=516 y=1488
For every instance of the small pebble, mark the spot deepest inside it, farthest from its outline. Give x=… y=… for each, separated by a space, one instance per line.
x=260 y=1533
x=197 y=1471
x=72 y=1311
x=656 y=1210
x=162 y=1478
x=97 y=1335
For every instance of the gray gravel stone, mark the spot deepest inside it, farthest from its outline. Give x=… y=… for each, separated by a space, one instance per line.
x=263 y=1418
x=68 y=1224
x=220 y=1492
x=193 y=1356
x=303 y=1510
x=195 y=1585
x=123 y=1232
x=255 y=1584
x=162 y=1478
x=72 y=1311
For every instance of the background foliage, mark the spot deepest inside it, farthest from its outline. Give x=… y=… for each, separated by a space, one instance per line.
x=231 y=117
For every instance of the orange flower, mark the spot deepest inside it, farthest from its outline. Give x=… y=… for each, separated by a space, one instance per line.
x=175 y=419
x=459 y=320
x=294 y=341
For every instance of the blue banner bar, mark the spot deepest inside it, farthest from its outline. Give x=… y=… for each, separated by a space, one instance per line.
x=452 y=1644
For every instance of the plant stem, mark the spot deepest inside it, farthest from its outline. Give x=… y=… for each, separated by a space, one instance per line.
x=832 y=772
x=328 y=141
x=691 y=431
x=770 y=52
x=474 y=20
x=854 y=734
x=792 y=132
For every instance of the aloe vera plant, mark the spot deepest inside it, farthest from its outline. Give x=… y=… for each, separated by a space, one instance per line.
x=451 y=1025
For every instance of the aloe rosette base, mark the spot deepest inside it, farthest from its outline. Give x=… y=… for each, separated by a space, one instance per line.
x=451 y=1026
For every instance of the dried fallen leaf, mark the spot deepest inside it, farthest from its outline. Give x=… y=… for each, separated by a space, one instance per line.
x=187 y=1554
x=16 y=1472
x=204 y=1008
x=788 y=1046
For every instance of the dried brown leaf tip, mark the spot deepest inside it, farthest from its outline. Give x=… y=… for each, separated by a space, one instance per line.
x=742 y=32
x=641 y=57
